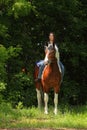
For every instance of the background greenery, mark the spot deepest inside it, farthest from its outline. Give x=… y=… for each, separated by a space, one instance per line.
x=24 y=29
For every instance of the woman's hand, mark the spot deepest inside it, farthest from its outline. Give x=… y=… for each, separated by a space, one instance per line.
x=45 y=62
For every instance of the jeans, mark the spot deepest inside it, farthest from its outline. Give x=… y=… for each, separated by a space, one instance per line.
x=62 y=69
x=41 y=68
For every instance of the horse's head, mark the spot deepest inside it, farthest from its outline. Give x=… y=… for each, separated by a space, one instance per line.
x=50 y=53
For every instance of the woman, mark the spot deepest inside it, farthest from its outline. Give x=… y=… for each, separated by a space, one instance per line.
x=45 y=61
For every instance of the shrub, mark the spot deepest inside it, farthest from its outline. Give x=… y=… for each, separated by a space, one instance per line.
x=22 y=89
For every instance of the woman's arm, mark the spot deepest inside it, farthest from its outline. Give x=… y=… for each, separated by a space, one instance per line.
x=57 y=53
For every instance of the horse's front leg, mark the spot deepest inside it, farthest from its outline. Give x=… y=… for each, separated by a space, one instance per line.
x=46 y=103
x=55 y=103
x=39 y=98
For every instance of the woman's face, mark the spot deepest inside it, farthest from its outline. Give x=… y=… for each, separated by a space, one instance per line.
x=51 y=37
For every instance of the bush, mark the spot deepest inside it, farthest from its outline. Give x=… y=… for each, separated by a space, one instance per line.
x=2 y=88
x=69 y=92
x=21 y=89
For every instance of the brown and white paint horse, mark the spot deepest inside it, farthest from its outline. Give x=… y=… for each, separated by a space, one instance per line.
x=51 y=78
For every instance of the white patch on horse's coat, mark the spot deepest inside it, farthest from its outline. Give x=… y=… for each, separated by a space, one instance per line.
x=46 y=103
x=55 y=103
x=38 y=98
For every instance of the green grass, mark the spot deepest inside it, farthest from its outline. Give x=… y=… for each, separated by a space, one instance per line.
x=68 y=117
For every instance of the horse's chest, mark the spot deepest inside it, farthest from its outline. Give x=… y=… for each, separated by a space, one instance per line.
x=50 y=72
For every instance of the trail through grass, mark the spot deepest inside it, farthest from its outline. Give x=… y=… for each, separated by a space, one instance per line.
x=67 y=117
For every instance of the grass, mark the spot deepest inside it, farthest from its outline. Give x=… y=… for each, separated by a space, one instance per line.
x=68 y=117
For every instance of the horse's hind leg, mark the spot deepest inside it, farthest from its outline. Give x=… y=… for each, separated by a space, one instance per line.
x=55 y=103
x=46 y=103
x=39 y=98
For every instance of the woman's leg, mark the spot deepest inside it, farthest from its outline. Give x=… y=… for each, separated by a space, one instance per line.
x=41 y=68
x=62 y=68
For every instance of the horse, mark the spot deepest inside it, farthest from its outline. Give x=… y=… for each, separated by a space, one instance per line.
x=51 y=78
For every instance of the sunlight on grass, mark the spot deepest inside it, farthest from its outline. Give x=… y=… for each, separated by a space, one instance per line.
x=32 y=117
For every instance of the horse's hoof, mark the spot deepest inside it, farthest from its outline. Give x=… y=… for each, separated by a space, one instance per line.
x=55 y=112
x=46 y=112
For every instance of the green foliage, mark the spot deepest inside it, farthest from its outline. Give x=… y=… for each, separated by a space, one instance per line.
x=2 y=89
x=21 y=90
x=68 y=117
x=2 y=86
x=69 y=92
x=24 y=28
x=19 y=106
x=3 y=30
x=3 y=58
x=14 y=51
x=21 y=8
x=5 y=108
x=5 y=54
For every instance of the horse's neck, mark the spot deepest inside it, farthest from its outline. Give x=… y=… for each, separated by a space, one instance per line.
x=53 y=67
x=54 y=64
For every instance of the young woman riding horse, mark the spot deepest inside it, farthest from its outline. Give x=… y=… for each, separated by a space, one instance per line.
x=45 y=61
x=48 y=74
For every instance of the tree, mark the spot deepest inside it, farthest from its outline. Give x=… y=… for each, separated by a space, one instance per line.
x=24 y=28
